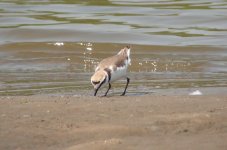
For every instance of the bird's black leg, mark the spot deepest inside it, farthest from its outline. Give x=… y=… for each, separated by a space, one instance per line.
x=108 y=89
x=128 y=80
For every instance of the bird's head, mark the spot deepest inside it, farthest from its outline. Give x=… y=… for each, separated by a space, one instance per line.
x=98 y=79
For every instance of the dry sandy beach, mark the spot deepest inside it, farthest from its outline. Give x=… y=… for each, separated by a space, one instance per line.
x=129 y=123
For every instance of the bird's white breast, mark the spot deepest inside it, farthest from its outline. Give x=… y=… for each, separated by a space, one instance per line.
x=120 y=72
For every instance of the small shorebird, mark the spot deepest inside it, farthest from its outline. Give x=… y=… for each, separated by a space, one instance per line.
x=111 y=69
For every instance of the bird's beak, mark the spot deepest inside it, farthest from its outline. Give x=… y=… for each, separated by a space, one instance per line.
x=96 y=90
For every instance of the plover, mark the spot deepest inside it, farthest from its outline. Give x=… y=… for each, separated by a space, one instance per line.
x=111 y=69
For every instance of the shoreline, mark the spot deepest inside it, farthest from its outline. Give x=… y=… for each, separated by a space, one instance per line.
x=130 y=122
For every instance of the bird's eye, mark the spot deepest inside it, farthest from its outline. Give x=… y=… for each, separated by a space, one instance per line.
x=95 y=82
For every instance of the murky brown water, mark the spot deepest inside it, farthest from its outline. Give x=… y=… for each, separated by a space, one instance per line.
x=178 y=45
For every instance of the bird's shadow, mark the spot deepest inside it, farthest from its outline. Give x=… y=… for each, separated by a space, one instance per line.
x=127 y=94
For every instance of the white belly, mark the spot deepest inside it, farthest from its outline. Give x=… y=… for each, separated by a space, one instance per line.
x=118 y=73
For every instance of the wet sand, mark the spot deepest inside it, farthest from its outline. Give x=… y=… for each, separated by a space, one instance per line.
x=44 y=68
x=130 y=122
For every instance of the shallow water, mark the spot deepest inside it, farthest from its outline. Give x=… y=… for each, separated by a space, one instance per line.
x=175 y=45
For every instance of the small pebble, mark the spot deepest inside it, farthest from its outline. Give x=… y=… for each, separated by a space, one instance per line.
x=197 y=92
